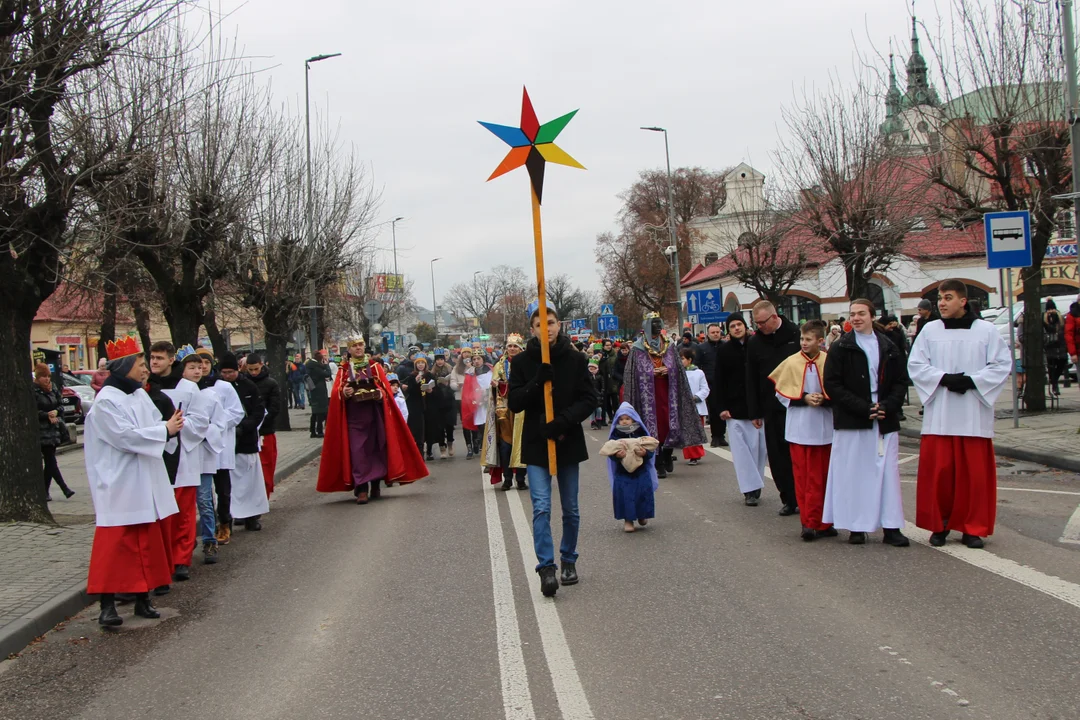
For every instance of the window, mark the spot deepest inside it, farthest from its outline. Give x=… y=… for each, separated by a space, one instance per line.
x=710 y=258
x=1065 y=227
x=797 y=308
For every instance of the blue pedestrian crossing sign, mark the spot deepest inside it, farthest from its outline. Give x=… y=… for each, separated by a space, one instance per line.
x=607 y=309
x=1008 y=239
x=704 y=305
x=607 y=323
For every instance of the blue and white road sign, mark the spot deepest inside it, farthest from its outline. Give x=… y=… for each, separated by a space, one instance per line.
x=704 y=305
x=1008 y=239
x=607 y=309
x=390 y=340
x=607 y=323
x=579 y=324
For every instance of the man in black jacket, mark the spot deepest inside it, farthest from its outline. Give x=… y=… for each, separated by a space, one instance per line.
x=747 y=439
x=776 y=340
x=574 y=400
x=706 y=360
x=270 y=392
x=245 y=475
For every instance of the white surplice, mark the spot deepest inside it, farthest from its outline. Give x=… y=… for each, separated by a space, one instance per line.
x=124 y=441
x=214 y=442
x=805 y=424
x=979 y=352
x=748 y=454
x=186 y=396
x=248 y=497
x=862 y=493
x=399 y=398
x=234 y=415
x=699 y=388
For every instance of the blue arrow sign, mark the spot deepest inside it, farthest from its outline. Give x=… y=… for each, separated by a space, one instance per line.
x=579 y=324
x=607 y=323
x=608 y=309
x=705 y=305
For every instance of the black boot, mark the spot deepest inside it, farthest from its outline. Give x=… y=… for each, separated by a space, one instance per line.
x=669 y=459
x=809 y=534
x=972 y=541
x=252 y=524
x=857 y=538
x=507 y=483
x=522 y=483
x=109 y=616
x=661 y=468
x=143 y=608
x=938 y=539
x=569 y=574
x=893 y=536
x=549 y=584
x=376 y=489
x=181 y=573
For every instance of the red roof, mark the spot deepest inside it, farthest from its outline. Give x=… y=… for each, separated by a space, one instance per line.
x=73 y=305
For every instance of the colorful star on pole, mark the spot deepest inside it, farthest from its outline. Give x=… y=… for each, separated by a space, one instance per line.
x=532 y=145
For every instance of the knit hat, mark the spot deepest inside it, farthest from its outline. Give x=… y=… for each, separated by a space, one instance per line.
x=228 y=362
x=926 y=305
x=392 y=377
x=206 y=352
x=594 y=361
x=734 y=317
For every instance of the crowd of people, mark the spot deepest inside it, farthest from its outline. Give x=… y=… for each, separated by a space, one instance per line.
x=182 y=450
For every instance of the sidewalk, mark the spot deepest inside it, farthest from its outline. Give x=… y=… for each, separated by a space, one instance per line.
x=1049 y=437
x=44 y=567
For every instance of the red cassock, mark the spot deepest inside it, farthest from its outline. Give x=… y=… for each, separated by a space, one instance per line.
x=811 y=466
x=128 y=559
x=957 y=485
x=181 y=532
x=403 y=460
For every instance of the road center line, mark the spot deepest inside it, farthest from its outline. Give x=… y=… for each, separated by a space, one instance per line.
x=1047 y=584
x=517 y=700
x=564 y=675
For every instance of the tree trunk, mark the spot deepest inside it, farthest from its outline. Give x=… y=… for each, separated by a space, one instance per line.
x=108 y=316
x=184 y=315
x=217 y=339
x=277 y=359
x=22 y=493
x=1032 y=359
x=142 y=323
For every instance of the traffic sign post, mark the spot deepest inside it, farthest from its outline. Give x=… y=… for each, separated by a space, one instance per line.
x=607 y=323
x=1008 y=245
x=704 y=306
x=579 y=324
x=607 y=309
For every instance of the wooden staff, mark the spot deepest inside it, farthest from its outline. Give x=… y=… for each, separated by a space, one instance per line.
x=541 y=295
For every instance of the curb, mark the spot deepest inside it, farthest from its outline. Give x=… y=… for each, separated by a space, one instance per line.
x=1054 y=461
x=15 y=636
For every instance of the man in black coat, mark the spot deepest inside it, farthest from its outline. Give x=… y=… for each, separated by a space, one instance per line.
x=574 y=400
x=706 y=360
x=747 y=439
x=270 y=392
x=776 y=340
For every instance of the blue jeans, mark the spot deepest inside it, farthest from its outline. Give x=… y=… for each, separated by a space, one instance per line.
x=540 y=492
x=298 y=393
x=205 y=501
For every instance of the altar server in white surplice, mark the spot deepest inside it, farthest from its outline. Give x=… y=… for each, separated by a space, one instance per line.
x=867 y=382
x=959 y=365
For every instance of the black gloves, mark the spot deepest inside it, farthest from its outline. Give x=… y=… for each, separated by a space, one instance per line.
x=544 y=373
x=957 y=382
x=555 y=429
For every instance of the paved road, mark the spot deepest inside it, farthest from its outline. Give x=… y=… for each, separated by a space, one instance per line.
x=424 y=605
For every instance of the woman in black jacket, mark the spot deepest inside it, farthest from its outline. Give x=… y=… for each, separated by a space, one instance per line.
x=866 y=380
x=50 y=410
x=746 y=439
x=574 y=400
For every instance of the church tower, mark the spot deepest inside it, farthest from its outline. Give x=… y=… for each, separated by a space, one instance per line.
x=919 y=91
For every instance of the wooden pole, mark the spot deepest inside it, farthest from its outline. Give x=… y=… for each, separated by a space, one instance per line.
x=541 y=295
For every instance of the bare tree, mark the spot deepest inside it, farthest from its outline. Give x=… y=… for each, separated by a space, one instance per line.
x=854 y=195
x=476 y=298
x=46 y=46
x=569 y=300
x=1004 y=138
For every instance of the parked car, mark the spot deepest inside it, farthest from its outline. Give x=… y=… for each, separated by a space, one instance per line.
x=1001 y=322
x=73 y=409
x=80 y=383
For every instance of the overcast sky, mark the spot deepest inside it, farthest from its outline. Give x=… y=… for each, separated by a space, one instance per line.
x=415 y=77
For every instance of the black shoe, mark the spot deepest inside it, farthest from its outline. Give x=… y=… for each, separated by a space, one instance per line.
x=549 y=584
x=376 y=490
x=661 y=471
x=938 y=539
x=143 y=608
x=68 y=492
x=715 y=442
x=314 y=435
x=469 y=454
x=522 y=484
x=182 y=573
x=751 y=498
x=857 y=538
x=568 y=576
x=787 y=509
x=830 y=532
x=209 y=551
x=721 y=443
x=693 y=462
x=669 y=461
x=253 y=525
x=109 y=617
x=162 y=590
x=893 y=536
x=972 y=541
x=508 y=483
x=809 y=534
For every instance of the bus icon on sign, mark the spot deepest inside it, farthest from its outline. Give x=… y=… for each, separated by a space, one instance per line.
x=1007 y=235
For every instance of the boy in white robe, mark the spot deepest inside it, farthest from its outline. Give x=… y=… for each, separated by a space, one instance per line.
x=959 y=365
x=746 y=436
x=234 y=415
x=125 y=439
x=867 y=382
x=699 y=388
x=809 y=426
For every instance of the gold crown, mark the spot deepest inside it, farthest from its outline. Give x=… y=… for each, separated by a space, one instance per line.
x=651 y=315
x=515 y=339
x=122 y=348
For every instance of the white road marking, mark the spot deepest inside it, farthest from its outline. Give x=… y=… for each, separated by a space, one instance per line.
x=1016 y=489
x=1028 y=576
x=726 y=454
x=908 y=459
x=1071 y=535
x=564 y=675
x=517 y=700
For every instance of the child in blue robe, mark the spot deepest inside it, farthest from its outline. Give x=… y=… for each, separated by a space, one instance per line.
x=632 y=491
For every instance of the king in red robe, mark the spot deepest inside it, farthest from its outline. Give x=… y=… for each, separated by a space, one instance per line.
x=367 y=439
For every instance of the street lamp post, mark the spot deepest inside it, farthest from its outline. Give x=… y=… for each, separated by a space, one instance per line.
x=434 y=307
x=397 y=278
x=312 y=299
x=671 y=226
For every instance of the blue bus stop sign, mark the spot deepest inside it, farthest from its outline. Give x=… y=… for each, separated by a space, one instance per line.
x=1008 y=239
